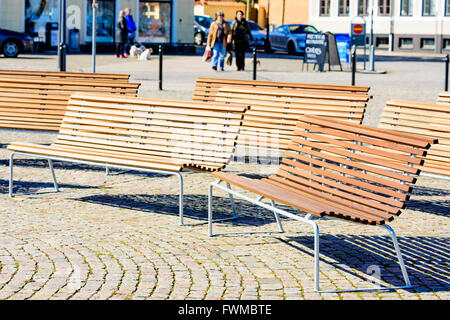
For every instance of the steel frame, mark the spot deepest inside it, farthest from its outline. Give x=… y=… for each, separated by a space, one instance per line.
x=308 y=220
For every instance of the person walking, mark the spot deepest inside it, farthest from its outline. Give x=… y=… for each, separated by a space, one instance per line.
x=241 y=33
x=121 y=35
x=131 y=26
x=218 y=38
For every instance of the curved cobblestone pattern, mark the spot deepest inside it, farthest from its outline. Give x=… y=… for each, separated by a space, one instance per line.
x=117 y=237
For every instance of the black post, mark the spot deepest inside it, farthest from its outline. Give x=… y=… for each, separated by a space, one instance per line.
x=62 y=46
x=447 y=60
x=353 y=65
x=255 y=61
x=160 y=67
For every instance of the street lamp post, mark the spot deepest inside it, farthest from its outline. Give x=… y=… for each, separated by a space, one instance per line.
x=62 y=46
x=371 y=46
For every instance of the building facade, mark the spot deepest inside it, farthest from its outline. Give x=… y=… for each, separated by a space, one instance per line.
x=418 y=25
x=157 y=21
x=285 y=11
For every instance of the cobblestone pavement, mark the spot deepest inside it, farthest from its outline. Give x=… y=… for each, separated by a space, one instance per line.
x=117 y=236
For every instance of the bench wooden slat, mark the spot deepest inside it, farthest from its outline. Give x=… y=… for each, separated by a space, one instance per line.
x=275 y=111
x=430 y=120
x=47 y=98
x=365 y=187
x=172 y=136
x=62 y=74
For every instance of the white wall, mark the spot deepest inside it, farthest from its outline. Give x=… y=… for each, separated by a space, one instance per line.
x=416 y=24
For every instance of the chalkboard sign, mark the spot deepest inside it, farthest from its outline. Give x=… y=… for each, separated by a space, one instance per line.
x=316 y=47
x=333 y=55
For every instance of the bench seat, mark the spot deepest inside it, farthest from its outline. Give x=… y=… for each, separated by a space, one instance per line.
x=336 y=169
x=141 y=134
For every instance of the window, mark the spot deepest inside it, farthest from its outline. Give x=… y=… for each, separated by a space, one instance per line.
x=382 y=42
x=155 y=21
x=406 y=43
x=325 y=7
x=427 y=43
x=105 y=20
x=344 y=7
x=363 y=6
x=406 y=8
x=385 y=7
x=37 y=14
x=429 y=7
x=447 y=7
x=447 y=44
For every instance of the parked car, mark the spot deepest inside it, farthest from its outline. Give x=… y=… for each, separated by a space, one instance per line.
x=12 y=43
x=201 y=29
x=259 y=34
x=289 y=38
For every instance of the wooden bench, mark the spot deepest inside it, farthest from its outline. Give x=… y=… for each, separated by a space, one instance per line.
x=426 y=119
x=143 y=134
x=444 y=98
x=40 y=104
x=206 y=88
x=366 y=181
x=66 y=75
x=271 y=120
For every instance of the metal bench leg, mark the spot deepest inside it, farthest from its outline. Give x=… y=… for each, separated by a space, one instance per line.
x=181 y=197
x=277 y=217
x=397 y=251
x=11 y=164
x=55 y=183
x=11 y=177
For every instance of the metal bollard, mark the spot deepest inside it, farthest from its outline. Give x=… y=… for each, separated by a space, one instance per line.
x=353 y=65
x=255 y=61
x=160 y=67
x=447 y=60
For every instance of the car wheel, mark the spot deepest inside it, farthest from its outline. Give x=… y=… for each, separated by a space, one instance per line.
x=11 y=49
x=291 y=48
x=198 y=38
x=268 y=47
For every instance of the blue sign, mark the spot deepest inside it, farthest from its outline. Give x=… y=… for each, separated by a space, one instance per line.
x=343 y=47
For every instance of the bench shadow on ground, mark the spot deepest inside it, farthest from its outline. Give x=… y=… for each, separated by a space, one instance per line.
x=426 y=258
x=24 y=187
x=195 y=207
x=42 y=163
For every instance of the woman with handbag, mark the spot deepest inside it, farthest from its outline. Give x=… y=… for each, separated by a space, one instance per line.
x=218 y=38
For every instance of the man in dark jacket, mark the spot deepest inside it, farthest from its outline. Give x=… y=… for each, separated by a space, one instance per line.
x=121 y=35
x=241 y=33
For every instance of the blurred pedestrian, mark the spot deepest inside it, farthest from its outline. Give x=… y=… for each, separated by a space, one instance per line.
x=241 y=34
x=131 y=26
x=121 y=35
x=218 y=38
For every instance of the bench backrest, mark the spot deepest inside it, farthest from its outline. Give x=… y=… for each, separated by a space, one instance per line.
x=39 y=104
x=364 y=176
x=66 y=75
x=206 y=88
x=271 y=120
x=186 y=133
x=426 y=119
x=444 y=98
